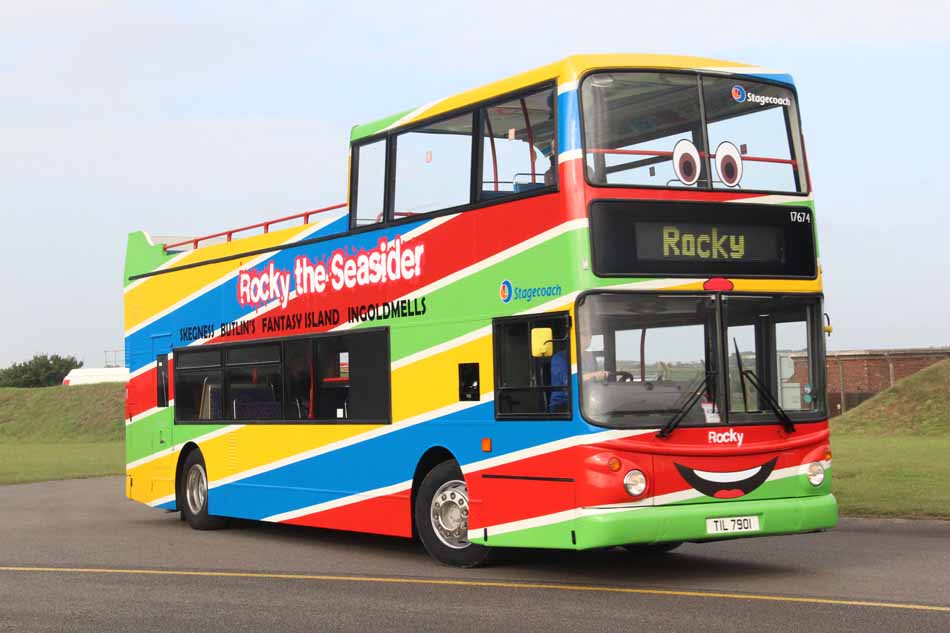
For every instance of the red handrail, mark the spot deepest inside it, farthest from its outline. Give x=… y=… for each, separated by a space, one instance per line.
x=491 y=140
x=651 y=152
x=265 y=225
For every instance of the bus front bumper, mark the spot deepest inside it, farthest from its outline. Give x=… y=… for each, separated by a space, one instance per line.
x=608 y=527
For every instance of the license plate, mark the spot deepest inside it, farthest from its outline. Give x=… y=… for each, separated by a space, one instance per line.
x=728 y=525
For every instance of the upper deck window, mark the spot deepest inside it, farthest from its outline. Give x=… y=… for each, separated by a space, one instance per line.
x=675 y=130
x=634 y=122
x=434 y=167
x=370 y=164
x=518 y=145
x=761 y=121
x=488 y=153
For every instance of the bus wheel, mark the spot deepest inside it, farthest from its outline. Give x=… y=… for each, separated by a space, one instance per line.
x=194 y=495
x=647 y=549
x=441 y=515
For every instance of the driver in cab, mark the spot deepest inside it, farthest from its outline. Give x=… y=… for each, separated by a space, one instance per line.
x=589 y=360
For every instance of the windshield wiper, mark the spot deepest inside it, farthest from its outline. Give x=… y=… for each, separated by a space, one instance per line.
x=689 y=404
x=745 y=399
x=786 y=421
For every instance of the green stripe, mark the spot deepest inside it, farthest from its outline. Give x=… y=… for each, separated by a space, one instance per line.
x=141 y=256
x=141 y=437
x=472 y=302
x=368 y=129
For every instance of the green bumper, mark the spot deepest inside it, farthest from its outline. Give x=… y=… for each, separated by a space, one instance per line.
x=596 y=528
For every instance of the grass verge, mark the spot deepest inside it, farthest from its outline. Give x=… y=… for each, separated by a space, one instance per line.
x=891 y=475
x=61 y=432
x=21 y=462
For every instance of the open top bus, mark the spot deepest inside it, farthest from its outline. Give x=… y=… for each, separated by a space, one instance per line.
x=579 y=307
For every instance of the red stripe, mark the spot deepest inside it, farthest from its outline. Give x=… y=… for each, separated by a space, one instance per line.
x=389 y=514
x=141 y=392
x=449 y=248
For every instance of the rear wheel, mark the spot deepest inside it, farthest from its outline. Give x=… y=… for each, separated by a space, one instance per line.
x=441 y=513
x=649 y=549
x=193 y=495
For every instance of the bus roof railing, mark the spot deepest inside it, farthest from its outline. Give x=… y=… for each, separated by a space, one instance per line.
x=229 y=234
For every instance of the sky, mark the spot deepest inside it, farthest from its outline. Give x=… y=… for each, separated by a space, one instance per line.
x=185 y=118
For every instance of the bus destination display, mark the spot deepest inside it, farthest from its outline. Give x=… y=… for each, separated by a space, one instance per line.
x=632 y=238
x=685 y=242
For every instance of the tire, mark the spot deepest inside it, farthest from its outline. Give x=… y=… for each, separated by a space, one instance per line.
x=193 y=495
x=652 y=549
x=442 y=500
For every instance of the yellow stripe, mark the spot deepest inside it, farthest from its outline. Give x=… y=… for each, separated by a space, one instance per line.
x=762 y=285
x=489 y=584
x=160 y=292
x=424 y=386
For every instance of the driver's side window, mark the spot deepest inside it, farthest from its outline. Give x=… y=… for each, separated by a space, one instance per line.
x=529 y=385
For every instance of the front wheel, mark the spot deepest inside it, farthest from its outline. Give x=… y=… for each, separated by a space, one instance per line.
x=441 y=514
x=193 y=495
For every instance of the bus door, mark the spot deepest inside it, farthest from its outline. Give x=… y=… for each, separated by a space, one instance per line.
x=161 y=435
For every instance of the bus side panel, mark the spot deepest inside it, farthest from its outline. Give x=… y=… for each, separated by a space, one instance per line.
x=388 y=514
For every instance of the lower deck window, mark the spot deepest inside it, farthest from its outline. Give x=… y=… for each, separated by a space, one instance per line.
x=330 y=378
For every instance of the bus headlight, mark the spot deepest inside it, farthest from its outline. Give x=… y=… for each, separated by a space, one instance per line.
x=635 y=482
x=816 y=473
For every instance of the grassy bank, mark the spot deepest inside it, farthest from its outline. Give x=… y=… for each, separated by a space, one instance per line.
x=892 y=453
x=61 y=432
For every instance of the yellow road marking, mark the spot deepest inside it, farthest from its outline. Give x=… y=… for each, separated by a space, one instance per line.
x=492 y=584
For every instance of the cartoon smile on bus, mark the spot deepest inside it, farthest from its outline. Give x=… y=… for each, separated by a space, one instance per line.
x=727 y=485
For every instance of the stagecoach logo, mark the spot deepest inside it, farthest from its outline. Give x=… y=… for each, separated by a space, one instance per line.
x=504 y=292
x=507 y=292
x=740 y=95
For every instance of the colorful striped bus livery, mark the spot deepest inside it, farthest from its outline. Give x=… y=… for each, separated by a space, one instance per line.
x=577 y=308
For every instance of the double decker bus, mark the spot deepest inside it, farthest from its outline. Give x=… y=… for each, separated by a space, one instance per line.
x=577 y=308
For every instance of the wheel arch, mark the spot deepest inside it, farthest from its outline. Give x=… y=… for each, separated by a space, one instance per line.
x=434 y=456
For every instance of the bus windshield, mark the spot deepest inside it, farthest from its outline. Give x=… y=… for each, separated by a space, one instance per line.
x=678 y=130
x=645 y=359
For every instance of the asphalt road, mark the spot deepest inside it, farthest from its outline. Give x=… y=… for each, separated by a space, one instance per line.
x=76 y=556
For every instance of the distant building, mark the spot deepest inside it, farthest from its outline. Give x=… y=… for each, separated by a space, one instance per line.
x=91 y=375
x=856 y=375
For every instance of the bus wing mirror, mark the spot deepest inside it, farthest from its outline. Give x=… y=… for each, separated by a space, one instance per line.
x=542 y=343
x=827 y=329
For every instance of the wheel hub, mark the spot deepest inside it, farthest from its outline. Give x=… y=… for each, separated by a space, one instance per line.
x=196 y=489
x=449 y=513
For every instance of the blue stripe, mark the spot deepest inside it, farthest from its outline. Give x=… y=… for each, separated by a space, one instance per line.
x=383 y=461
x=569 y=124
x=780 y=77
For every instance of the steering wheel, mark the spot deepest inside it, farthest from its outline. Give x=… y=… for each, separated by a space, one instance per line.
x=622 y=376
